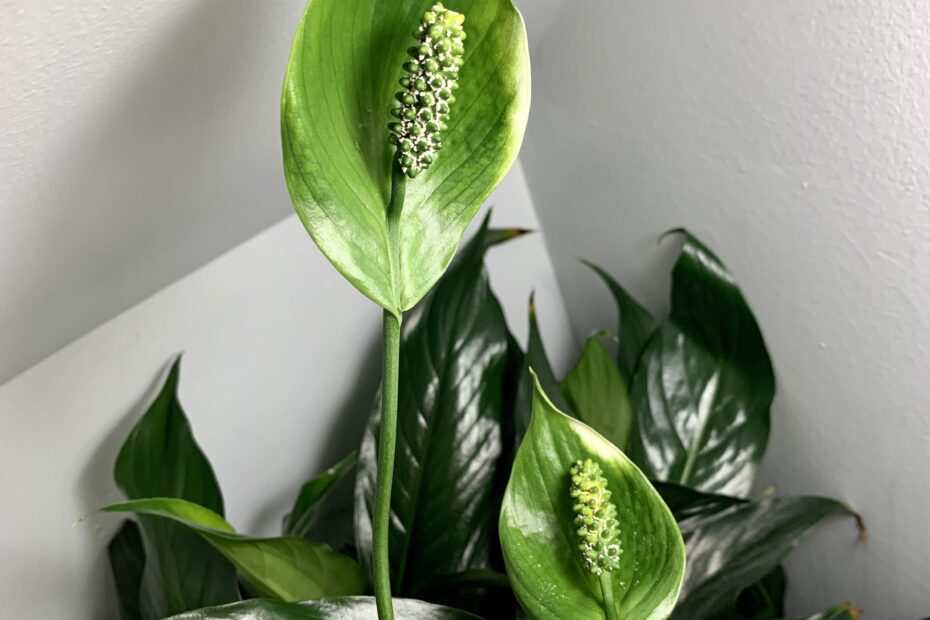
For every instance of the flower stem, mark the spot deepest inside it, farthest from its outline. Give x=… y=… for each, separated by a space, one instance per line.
x=381 y=564
x=387 y=441
x=607 y=589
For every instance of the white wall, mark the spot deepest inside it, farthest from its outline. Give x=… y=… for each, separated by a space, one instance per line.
x=793 y=137
x=139 y=141
x=279 y=369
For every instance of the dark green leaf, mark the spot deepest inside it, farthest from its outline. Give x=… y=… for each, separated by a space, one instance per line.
x=452 y=362
x=704 y=384
x=285 y=568
x=536 y=359
x=840 y=612
x=539 y=535
x=687 y=503
x=695 y=424
x=339 y=88
x=636 y=325
x=160 y=458
x=732 y=549
x=483 y=592
x=763 y=600
x=597 y=394
x=298 y=522
x=341 y=608
x=707 y=304
x=127 y=560
x=516 y=415
x=474 y=579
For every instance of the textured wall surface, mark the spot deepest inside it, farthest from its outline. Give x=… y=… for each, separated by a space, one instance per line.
x=139 y=140
x=793 y=137
x=280 y=366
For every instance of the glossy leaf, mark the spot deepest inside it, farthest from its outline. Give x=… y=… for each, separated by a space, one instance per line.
x=539 y=538
x=340 y=608
x=298 y=521
x=732 y=549
x=127 y=560
x=597 y=394
x=285 y=568
x=537 y=359
x=160 y=458
x=635 y=324
x=452 y=363
x=707 y=303
x=840 y=612
x=704 y=385
x=341 y=79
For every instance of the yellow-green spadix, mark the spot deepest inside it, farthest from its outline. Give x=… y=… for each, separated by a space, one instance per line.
x=595 y=517
x=430 y=77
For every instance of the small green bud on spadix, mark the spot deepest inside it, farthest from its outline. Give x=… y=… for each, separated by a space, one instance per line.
x=596 y=518
x=429 y=78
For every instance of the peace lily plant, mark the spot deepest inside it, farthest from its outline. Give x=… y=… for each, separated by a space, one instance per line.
x=390 y=220
x=519 y=494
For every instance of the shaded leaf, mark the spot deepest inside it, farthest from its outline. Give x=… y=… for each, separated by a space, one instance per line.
x=340 y=83
x=763 y=600
x=474 y=579
x=597 y=394
x=298 y=521
x=732 y=549
x=484 y=592
x=452 y=362
x=539 y=535
x=516 y=415
x=687 y=503
x=635 y=325
x=160 y=458
x=285 y=568
x=341 y=608
x=537 y=359
x=127 y=561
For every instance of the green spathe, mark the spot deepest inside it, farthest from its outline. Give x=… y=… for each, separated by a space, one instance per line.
x=540 y=541
x=340 y=82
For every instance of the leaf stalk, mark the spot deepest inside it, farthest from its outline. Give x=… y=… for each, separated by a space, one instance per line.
x=381 y=564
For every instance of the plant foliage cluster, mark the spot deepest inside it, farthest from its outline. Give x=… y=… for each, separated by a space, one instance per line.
x=467 y=428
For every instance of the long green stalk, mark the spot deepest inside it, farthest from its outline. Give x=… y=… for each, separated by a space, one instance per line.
x=381 y=563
